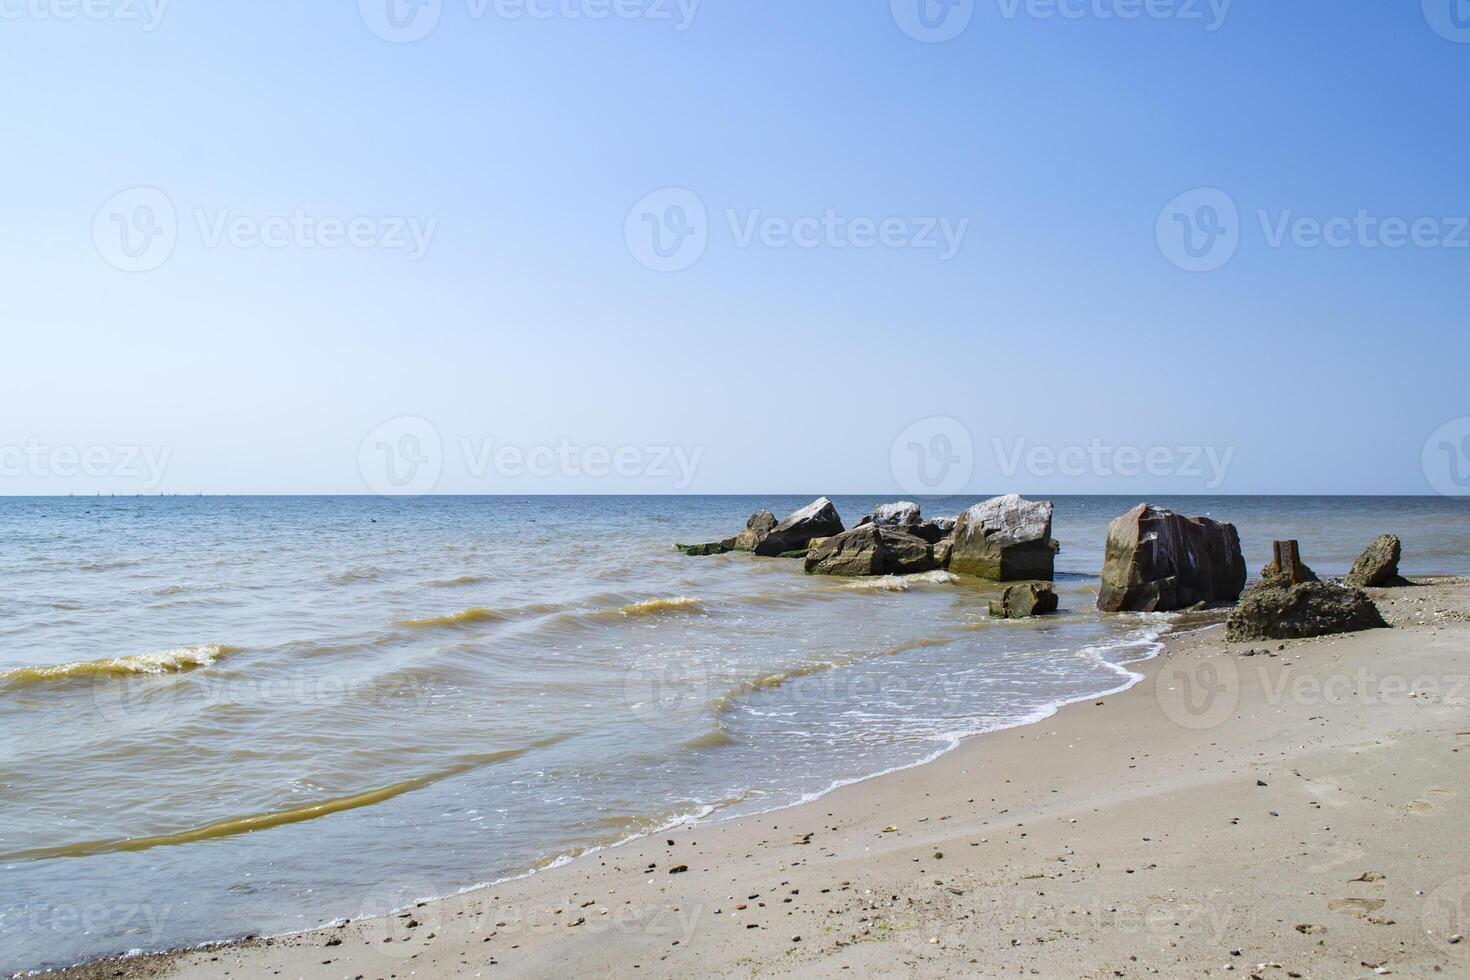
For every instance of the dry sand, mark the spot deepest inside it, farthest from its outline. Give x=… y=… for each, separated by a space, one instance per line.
x=1296 y=812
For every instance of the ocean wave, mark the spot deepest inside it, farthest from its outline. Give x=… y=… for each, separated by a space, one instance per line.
x=727 y=701
x=360 y=573
x=900 y=583
x=652 y=607
x=234 y=826
x=160 y=662
x=454 y=583
x=463 y=618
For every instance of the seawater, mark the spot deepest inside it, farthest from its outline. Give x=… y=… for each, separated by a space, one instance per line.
x=222 y=716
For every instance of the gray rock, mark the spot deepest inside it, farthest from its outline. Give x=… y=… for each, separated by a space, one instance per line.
x=870 y=549
x=1269 y=611
x=1024 y=601
x=1379 y=565
x=1006 y=539
x=757 y=529
x=902 y=514
x=817 y=519
x=1158 y=561
x=931 y=531
x=854 y=553
x=906 y=554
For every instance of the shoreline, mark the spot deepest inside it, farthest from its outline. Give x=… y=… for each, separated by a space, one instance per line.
x=643 y=915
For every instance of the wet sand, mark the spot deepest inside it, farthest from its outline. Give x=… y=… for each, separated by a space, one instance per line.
x=1281 y=810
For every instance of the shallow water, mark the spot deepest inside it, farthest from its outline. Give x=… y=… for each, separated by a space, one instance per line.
x=230 y=715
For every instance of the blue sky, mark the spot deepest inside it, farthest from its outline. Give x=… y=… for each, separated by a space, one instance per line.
x=1060 y=147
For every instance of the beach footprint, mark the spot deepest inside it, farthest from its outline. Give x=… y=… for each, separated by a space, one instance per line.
x=1362 y=907
x=1424 y=808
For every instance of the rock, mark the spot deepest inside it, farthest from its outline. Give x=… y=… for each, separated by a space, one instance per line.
x=906 y=554
x=932 y=531
x=1269 y=611
x=1023 y=601
x=870 y=549
x=1158 y=561
x=756 y=530
x=852 y=553
x=817 y=519
x=704 y=550
x=1286 y=567
x=1379 y=565
x=1005 y=539
x=902 y=514
x=943 y=550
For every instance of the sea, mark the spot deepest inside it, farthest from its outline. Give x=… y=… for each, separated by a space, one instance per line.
x=225 y=716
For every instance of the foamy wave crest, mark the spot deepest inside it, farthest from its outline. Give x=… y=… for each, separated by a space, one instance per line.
x=463 y=618
x=900 y=583
x=159 y=662
x=655 y=607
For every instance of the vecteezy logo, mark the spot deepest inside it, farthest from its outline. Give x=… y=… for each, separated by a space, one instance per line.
x=1449 y=18
x=1199 y=231
x=933 y=21
x=402 y=457
x=934 y=456
x=1446 y=458
x=392 y=920
x=136 y=230
x=668 y=230
x=401 y=21
x=667 y=693
x=1202 y=696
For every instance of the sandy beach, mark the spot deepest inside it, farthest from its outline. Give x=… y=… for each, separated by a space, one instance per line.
x=1291 y=810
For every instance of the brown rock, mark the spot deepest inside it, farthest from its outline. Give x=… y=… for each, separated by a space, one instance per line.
x=1158 y=561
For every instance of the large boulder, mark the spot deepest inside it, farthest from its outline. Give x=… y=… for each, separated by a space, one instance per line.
x=852 y=553
x=1025 y=601
x=1006 y=539
x=906 y=554
x=933 y=530
x=757 y=529
x=870 y=549
x=1379 y=565
x=905 y=513
x=1158 y=561
x=817 y=519
x=1270 y=611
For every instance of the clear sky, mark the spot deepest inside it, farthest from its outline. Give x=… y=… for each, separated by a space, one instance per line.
x=277 y=247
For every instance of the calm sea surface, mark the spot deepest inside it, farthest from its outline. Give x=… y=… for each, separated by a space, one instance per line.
x=221 y=716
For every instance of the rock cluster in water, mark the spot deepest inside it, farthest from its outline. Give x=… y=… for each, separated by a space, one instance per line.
x=1156 y=561
x=1006 y=539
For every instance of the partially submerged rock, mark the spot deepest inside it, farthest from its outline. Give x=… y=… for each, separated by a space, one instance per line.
x=1269 y=611
x=1024 y=601
x=1006 y=539
x=852 y=553
x=757 y=529
x=703 y=550
x=870 y=549
x=906 y=554
x=1158 y=561
x=817 y=519
x=1377 y=566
